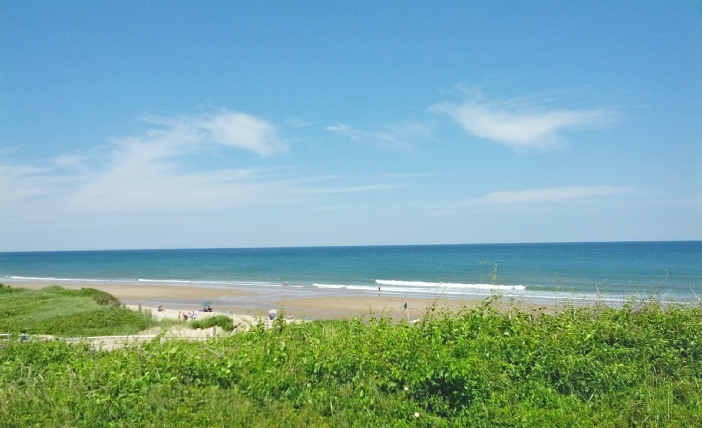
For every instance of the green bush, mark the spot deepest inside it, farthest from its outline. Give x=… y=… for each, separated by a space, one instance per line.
x=218 y=320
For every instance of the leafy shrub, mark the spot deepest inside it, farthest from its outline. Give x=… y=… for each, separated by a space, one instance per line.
x=218 y=320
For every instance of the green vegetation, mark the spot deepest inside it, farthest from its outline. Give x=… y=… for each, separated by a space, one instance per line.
x=218 y=320
x=59 y=311
x=640 y=365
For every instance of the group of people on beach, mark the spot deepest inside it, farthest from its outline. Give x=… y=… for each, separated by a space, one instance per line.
x=187 y=316
x=192 y=315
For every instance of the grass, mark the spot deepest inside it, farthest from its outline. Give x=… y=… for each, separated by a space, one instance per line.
x=59 y=311
x=640 y=365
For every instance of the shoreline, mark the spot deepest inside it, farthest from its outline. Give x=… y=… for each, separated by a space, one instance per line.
x=302 y=305
x=258 y=304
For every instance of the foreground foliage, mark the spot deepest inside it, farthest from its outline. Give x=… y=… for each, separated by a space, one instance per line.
x=60 y=311
x=640 y=365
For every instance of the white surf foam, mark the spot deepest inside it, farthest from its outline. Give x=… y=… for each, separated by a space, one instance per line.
x=397 y=283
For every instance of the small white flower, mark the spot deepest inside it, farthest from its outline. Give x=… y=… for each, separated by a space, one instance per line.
x=416 y=415
x=406 y=389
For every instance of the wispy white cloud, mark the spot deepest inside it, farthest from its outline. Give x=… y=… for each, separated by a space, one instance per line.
x=547 y=195
x=400 y=136
x=522 y=125
x=153 y=172
x=18 y=183
x=354 y=189
x=228 y=128
x=243 y=131
x=68 y=161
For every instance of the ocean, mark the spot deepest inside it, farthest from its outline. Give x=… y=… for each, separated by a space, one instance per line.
x=541 y=272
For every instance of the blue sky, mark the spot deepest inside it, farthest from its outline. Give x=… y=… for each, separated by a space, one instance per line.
x=245 y=124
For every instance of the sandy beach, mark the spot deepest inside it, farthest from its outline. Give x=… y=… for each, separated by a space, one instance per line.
x=249 y=308
x=175 y=299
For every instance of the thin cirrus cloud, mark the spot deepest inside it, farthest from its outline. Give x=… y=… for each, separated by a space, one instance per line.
x=228 y=128
x=243 y=131
x=397 y=136
x=547 y=195
x=520 y=126
x=20 y=183
x=153 y=171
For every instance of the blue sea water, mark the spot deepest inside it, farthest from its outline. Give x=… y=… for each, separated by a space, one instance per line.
x=537 y=272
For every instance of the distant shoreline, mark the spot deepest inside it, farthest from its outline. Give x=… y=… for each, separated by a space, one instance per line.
x=258 y=304
x=320 y=307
